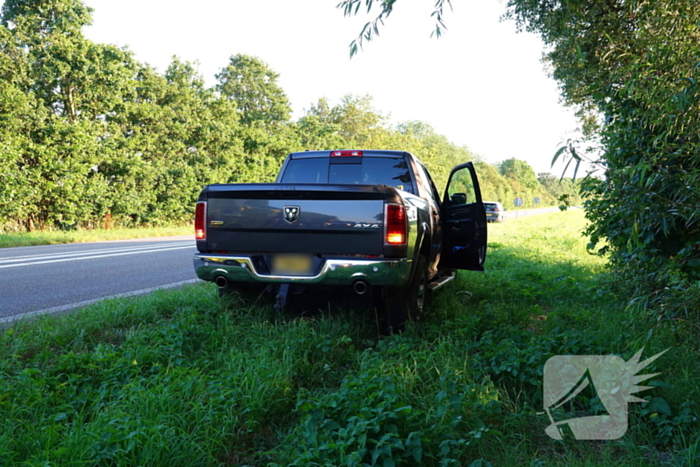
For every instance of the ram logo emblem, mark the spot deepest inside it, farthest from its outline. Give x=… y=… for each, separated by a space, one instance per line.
x=292 y=213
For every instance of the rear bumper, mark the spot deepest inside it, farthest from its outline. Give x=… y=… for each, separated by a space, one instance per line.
x=237 y=268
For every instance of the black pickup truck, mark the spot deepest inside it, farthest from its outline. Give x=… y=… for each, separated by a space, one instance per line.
x=365 y=219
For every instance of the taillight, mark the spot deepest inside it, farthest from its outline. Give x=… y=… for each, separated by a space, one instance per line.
x=346 y=153
x=200 y=214
x=395 y=222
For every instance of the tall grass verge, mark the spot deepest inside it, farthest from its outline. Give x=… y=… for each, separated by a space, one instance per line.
x=54 y=237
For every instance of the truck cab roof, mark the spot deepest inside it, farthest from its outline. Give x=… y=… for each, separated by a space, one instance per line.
x=363 y=153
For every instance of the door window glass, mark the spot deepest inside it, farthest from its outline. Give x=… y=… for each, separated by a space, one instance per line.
x=461 y=188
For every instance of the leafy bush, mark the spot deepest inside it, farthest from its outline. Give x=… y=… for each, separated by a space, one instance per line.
x=382 y=416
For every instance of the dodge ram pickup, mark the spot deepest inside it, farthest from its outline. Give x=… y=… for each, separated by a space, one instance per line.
x=365 y=219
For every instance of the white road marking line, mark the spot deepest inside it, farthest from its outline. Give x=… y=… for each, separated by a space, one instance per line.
x=57 y=309
x=15 y=259
x=34 y=263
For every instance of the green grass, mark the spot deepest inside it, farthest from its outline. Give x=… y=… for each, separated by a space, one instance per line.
x=178 y=378
x=53 y=237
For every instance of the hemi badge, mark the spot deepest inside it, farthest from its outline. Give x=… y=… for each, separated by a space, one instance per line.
x=213 y=223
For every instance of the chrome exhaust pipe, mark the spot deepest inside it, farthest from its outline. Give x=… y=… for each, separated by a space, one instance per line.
x=221 y=281
x=360 y=287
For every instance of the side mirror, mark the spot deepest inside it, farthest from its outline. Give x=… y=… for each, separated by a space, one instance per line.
x=458 y=198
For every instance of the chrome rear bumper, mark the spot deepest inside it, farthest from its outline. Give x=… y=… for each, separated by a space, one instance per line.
x=236 y=268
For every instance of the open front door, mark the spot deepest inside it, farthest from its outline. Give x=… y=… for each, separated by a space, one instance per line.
x=463 y=221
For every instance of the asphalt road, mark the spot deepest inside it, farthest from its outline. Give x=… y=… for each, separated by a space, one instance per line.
x=52 y=278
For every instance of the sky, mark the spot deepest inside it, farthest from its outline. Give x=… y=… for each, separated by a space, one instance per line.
x=482 y=84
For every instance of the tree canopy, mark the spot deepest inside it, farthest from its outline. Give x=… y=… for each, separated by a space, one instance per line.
x=90 y=134
x=252 y=85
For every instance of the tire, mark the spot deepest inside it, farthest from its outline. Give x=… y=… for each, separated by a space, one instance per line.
x=409 y=302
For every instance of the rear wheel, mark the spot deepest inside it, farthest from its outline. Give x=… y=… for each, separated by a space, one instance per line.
x=409 y=302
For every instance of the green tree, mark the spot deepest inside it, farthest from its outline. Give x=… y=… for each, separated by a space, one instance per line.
x=318 y=131
x=352 y=123
x=435 y=150
x=360 y=125
x=522 y=179
x=252 y=85
x=520 y=171
x=88 y=131
x=264 y=110
x=171 y=137
x=556 y=187
x=494 y=186
x=54 y=146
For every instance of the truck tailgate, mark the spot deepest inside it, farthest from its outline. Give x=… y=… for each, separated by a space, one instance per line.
x=279 y=218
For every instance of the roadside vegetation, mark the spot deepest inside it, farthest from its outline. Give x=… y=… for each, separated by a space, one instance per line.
x=54 y=237
x=92 y=137
x=177 y=378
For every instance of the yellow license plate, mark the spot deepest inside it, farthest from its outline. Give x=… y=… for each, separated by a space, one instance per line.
x=291 y=265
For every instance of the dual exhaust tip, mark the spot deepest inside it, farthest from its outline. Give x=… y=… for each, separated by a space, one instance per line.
x=360 y=287
x=221 y=282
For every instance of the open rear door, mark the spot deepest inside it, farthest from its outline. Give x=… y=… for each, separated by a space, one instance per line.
x=463 y=221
